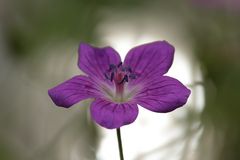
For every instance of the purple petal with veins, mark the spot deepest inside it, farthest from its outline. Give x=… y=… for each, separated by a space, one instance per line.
x=113 y=115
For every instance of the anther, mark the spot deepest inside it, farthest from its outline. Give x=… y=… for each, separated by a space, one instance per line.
x=111 y=67
x=125 y=78
x=129 y=70
x=132 y=76
x=123 y=69
x=120 y=71
x=112 y=76
x=106 y=76
x=119 y=65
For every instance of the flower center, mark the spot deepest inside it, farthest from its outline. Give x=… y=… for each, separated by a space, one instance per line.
x=119 y=75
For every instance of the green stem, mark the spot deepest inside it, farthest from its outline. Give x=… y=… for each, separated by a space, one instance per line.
x=120 y=144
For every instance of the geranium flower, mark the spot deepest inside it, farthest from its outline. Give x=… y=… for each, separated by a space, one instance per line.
x=117 y=87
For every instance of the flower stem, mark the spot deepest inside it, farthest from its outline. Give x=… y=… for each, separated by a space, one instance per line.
x=120 y=144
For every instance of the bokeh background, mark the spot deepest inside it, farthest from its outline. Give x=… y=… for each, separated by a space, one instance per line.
x=38 y=50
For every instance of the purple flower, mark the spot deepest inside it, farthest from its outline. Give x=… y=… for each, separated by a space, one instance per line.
x=117 y=87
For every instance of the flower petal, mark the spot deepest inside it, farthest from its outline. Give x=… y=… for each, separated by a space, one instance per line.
x=163 y=95
x=95 y=61
x=151 y=59
x=72 y=91
x=113 y=115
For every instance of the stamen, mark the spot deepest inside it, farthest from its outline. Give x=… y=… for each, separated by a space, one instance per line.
x=112 y=76
x=123 y=69
x=111 y=67
x=119 y=65
x=133 y=76
x=119 y=73
x=106 y=76
x=129 y=70
x=125 y=78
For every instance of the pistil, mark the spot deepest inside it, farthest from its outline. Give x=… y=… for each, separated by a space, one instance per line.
x=119 y=75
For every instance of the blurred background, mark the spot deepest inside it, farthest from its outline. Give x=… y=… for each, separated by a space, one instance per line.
x=38 y=50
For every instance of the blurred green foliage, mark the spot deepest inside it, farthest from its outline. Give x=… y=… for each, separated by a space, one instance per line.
x=33 y=23
x=215 y=35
